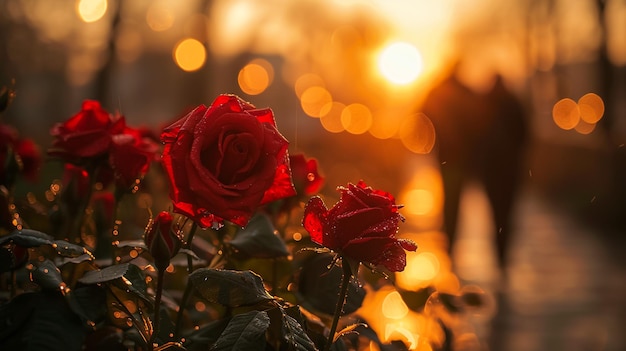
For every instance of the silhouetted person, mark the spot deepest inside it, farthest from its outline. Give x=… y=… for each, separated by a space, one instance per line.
x=481 y=138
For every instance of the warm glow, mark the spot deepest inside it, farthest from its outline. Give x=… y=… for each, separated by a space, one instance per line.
x=255 y=77
x=399 y=332
x=91 y=10
x=400 y=63
x=189 y=54
x=306 y=81
x=565 y=114
x=234 y=24
x=418 y=134
x=385 y=124
x=314 y=99
x=421 y=268
x=159 y=17
x=129 y=45
x=356 y=118
x=394 y=307
x=331 y=117
x=422 y=197
x=200 y=306
x=585 y=128
x=591 y=108
x=419 y=201
x=387 y=314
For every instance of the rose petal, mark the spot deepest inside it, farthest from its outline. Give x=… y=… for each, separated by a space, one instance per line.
x=314 y=221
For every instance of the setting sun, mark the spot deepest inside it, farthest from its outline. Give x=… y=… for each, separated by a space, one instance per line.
x=400 y=63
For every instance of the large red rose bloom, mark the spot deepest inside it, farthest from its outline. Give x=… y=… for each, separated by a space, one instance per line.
x=224 y=161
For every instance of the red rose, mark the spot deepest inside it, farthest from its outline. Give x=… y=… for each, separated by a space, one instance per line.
x=17 y=156
x=162 y=241
x=361 y=226
x=95 y=134
x=224 y=161
x=87 y=134
x=130 y=156
x=306 y=178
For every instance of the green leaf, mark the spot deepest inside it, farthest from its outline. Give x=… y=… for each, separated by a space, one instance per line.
x=27 y=238
x=286 y=330
x=40 y=321
x=258 y=240
x=135 y=244
x=67 y=249
x=201 y=339
x=48 y=276
x=105 y=275
x=229 y=288
x=295 y=337
x=137 y=280
x=77 y=259
x=245 y=331
x=319 y=286
x=88 y=302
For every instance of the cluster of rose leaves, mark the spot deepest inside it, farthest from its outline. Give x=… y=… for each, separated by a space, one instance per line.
x=224 y=163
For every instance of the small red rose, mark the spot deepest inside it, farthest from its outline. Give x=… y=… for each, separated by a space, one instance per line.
x=17 y=156
x=87 y=134
x=362 y=226
x=119 y=152
x=224 y=161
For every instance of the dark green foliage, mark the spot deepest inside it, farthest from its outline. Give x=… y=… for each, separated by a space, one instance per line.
x=257 y=239
x=40 y=321
x=229 y=288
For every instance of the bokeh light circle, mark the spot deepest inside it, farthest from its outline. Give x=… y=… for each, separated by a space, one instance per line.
x=255 y=77
x=313 y=99
x=330 y=117
x=591 y=108
x=91 y=10
x=189 y=54
x=418 y=134
x=565 y=114
x=356 y=118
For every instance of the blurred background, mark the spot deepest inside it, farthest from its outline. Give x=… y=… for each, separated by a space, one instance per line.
x=351 y=84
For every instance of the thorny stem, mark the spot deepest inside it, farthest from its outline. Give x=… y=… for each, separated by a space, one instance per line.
x=345 y=282
x=181 y=309
x=157 y=307
x=188 y=244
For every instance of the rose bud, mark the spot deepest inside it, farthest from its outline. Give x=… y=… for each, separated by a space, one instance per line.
x=162 y=240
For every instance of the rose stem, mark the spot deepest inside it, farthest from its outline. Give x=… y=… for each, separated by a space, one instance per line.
x=181 y=308
x=274 y=274
x=130 y=315
x=347 y=273
x=117 y=222
x=157 y=306
x=192 y=231
x=77 y=224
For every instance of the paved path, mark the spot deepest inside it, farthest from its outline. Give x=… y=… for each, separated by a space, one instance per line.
x=564 y=291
